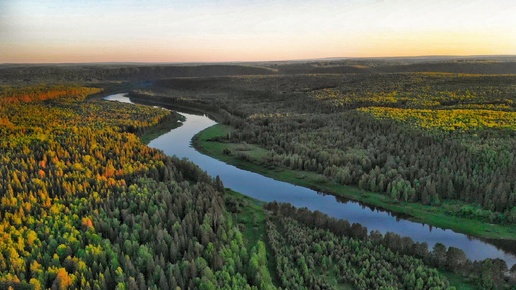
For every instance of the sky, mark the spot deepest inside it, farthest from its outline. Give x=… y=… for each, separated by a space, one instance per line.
x=65 y=31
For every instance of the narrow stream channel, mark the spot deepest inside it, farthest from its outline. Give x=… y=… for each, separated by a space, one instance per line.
x=178 y=142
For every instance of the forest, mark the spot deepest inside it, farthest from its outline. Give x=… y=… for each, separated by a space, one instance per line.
x=314 y=251
x=84 y=204
x=440 y=139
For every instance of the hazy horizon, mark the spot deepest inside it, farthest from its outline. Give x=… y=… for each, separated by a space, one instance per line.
x=104 y=31
x=437 y=57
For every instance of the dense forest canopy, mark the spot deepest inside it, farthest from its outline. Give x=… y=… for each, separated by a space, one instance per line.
x=84 y=204
x=416 y=137
x=313 y=250
x=123 y=72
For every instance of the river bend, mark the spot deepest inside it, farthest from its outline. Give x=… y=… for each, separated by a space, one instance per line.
x=178 y=142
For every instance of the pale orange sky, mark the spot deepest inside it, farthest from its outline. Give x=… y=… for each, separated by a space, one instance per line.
x=33 y=31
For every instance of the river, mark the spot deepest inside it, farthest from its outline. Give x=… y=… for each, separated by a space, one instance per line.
x=178 y=142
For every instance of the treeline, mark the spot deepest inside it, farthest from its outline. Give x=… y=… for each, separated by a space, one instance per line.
x=398 y=66
x=403 y=162
x=52 y=107
x=84 y=204
x=311 y=122
x=102 y=73
x=314 y=251
x=10 y=95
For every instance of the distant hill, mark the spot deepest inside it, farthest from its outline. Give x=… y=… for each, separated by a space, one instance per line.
x=113 y=72
x=84 y=73
x=456 y=67
x=450 y=64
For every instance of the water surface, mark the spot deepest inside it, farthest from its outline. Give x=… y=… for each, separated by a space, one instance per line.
x=178 y=142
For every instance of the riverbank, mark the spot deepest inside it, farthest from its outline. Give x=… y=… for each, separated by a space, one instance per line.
x=251 y=217
x=164 y=125
x=178 y=142
x=249 y=157
x=154 y=132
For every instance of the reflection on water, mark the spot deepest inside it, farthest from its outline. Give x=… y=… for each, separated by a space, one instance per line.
x=178 y=142
x=119 y=98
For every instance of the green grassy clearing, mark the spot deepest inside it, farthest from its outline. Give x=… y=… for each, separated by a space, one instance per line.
x=253 y=151
x=250 y=216
x=332 y=277
x=433 y=215
x=458 y=282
